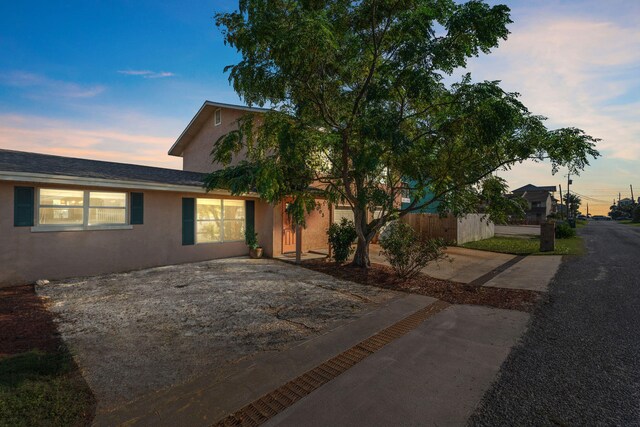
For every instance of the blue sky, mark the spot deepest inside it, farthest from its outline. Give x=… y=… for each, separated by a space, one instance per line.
x=119 y=80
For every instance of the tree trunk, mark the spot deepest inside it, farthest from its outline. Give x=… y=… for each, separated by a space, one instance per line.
x=361 y=258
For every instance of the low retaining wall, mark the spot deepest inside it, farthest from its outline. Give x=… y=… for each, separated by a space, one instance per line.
x=468 y=228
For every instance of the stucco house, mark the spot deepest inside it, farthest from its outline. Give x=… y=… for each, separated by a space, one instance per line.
x=540 y=200
x=63 y=217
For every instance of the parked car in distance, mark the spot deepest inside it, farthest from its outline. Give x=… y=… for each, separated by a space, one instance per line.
x=601 y=218
x=582 y=217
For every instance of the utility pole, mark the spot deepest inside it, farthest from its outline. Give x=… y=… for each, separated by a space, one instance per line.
x=587 y=209
x=561 y=202
x=568 y=184
x=618 y=199
x=632 y=199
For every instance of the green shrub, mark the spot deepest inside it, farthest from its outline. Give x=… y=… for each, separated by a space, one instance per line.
x=251 y=238
x=406 y=252
x=341 y=237
x=636 y=214
x=564 y=231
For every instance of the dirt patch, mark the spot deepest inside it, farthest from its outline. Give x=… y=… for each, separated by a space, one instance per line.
x=25 y=323
x=40 y=384
x=453 y=292
x=139 y=332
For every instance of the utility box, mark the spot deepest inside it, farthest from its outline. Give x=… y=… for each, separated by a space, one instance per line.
x=547 y=237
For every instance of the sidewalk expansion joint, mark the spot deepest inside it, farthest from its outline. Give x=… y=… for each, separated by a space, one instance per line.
x=276 y=401
x=501 y=268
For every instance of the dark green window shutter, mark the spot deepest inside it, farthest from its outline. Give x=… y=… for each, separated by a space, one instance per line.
x=188 y=221
x=250 y=214
x=137 y=208
x=23 y=201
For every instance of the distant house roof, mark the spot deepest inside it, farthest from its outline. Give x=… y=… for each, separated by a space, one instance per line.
x=536 y=196
x=531 y=187
x=17 y=164
x=203 y=114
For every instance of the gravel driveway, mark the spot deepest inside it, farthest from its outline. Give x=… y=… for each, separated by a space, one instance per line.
x=137 y=332
x=579 y=362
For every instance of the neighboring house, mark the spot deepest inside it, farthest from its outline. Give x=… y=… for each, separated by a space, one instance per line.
x=431 y=208
x=626 y=202
x=63 y=217
x=541 y=202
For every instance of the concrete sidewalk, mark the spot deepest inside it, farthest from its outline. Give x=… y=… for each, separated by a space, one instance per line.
x=464 y=265
x=434 y=375
x=533 y=273
x=210 y=398
x=517 y=230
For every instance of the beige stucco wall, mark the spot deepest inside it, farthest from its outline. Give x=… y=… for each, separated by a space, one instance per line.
x=314 y=236
x=197 y=154
x=26 y=256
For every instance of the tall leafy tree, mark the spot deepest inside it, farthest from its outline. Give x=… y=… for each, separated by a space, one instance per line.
x=573 y=202
x=361 y=113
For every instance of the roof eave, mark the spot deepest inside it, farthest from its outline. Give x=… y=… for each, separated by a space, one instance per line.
x=178 y=147
x=111 y=183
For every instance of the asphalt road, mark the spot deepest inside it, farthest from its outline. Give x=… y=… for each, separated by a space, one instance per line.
x=579 y=361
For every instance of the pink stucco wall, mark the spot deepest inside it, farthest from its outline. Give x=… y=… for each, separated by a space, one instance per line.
x=196 y=156
x=314 y=236
x=26 y=256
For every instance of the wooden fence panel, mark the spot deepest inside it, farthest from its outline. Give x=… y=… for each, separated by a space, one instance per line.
x=432 y=226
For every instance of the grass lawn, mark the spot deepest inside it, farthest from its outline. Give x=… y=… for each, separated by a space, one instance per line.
x=527 y=246
x=628 y=222
x=580 y=223
x=42 y=388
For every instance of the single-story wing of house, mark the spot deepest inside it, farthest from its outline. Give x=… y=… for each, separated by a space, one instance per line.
x=67 y=217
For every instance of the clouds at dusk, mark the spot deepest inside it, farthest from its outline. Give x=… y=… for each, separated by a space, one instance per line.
x=99 y=142
x=38 y=86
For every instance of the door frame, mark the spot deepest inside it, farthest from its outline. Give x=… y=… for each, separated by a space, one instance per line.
x=291 y=229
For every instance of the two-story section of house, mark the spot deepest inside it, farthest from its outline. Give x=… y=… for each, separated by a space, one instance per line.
x=277 y=235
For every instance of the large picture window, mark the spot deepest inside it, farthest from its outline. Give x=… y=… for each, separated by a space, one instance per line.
x=220 y=220
x=81 y=208
x=61 y=207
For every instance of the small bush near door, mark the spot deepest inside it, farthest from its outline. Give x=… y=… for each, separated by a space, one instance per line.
x=341 y=237
x=406 y=252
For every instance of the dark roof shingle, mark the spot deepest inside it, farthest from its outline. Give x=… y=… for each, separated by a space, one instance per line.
x=531 y=187
x=21 y=161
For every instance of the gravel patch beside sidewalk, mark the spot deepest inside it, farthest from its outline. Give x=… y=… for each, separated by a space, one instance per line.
x=138 y=332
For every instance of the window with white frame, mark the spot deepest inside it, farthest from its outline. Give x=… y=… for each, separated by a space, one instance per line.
x=219 y=220
x=61 y=207
x=107 y=208
x=217 y=116
x=81 y=208
x=340 y=212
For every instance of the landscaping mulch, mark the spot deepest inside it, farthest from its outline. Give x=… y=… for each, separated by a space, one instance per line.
x=453 y=292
